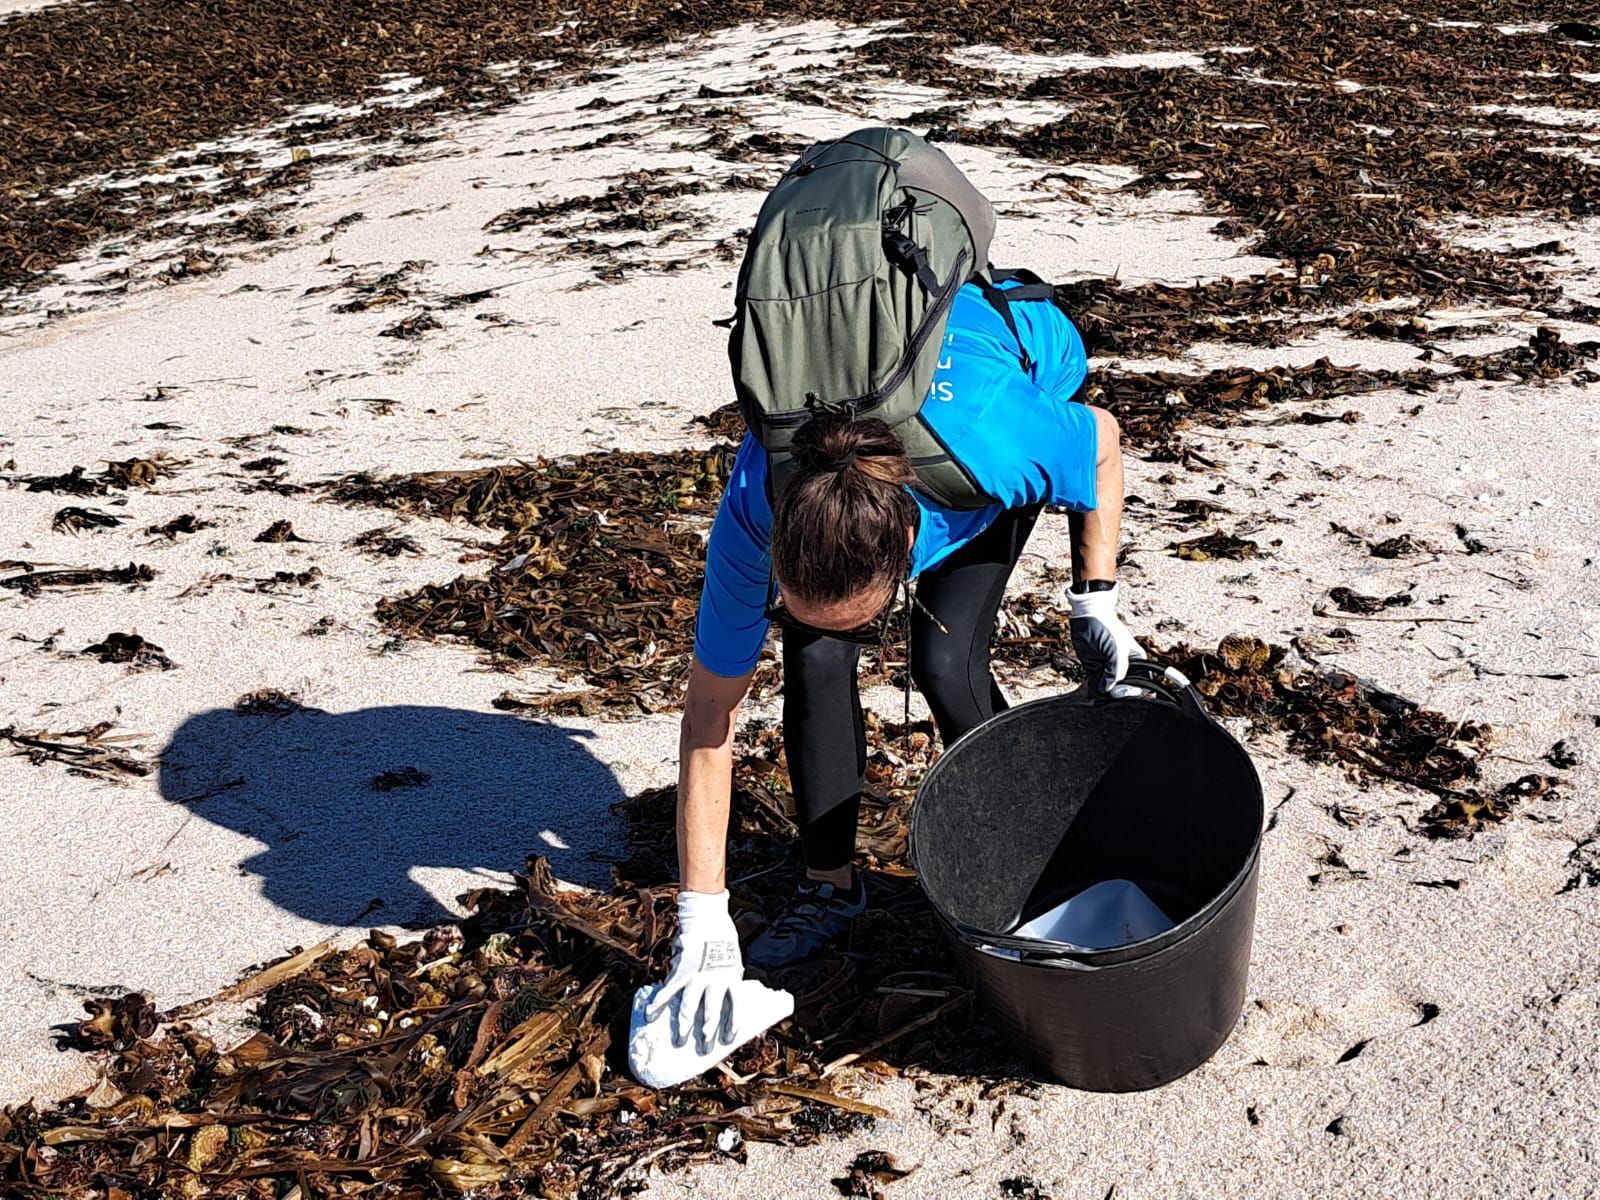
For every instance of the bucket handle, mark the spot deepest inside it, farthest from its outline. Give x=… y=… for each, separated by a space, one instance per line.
x=1034 y=949
x=1168 y=683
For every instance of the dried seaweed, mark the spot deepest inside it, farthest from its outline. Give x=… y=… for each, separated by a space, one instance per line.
x=129 y=648
x=1024 y=1187
x=1342 y=181
x=1034 y=632
x=94 y=751
x=635 y=203
x=723 y=423
x=140 y=472
x=1403 y=546
x=1350 y=601
x=1463 y=814
x=274 y=482
x=385 y=543
x=587 y=702
x=1348 y=417
x=413 y=327
x=374 y=291
x=868 y=1174
x=276 y=582
x=1331 y=716
x=279 y=580
x=73 y=483
x=1345 y=205
x=31 y=582
x=1152 y=407
x=75 y=520
x=1469 y=544
x=1214 y=545
x=595 y=573
x=1546 y=357
x=187 y=523
x=279 y=531
x=1562 y=756
x=1585 y=862
x=122 y=475
x=267 y=702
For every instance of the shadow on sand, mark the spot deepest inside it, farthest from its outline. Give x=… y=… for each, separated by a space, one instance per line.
x=349 y=804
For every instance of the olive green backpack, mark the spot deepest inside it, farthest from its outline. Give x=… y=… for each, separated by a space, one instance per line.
x=847 y=281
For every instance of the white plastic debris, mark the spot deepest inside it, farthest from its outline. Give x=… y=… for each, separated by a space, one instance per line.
x=1111 y=913
x=657 y=1062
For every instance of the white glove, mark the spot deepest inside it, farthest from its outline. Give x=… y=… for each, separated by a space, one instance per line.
x=706 y=965
x=1101 y=640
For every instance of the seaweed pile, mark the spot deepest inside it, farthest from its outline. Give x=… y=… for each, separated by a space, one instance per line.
x=1370 y=136
x=1374 y=125
x=597 y=573
x=1154 y=407
x=1332 y=716
x=1325 y=715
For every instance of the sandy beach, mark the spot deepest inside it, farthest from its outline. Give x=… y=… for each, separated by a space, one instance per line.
x=1465 y=970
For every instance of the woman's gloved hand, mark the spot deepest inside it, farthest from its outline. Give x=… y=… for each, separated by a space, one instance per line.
x=705 y=965
x=1102 y=642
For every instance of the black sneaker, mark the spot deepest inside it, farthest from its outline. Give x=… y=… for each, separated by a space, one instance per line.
x=815 y=920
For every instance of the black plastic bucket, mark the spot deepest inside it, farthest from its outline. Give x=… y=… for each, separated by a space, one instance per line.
x=1056 y=795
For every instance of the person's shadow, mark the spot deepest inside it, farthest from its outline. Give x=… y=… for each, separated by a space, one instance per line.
x=349 y=803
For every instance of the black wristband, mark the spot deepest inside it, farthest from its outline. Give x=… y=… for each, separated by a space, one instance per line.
x=1085 y=586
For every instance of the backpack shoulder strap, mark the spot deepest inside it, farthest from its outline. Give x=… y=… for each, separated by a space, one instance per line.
x=1029 y=287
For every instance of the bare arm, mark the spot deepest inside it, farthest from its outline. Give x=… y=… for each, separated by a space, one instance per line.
x=705 y=777
x=1095 y=533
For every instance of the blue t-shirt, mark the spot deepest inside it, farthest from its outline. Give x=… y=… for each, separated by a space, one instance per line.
x=1017 y=432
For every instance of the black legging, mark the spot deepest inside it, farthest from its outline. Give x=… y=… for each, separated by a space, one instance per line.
x=824 y=738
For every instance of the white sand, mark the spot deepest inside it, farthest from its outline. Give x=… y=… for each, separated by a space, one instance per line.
x=150 y=886
x=10 y=8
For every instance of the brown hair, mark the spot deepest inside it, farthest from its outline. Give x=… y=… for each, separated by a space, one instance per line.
x=840 y=525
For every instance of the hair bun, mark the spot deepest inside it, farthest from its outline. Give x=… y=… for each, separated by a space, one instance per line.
x=832 y=444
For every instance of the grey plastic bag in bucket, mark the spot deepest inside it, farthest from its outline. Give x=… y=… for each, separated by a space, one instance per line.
x=1093 y=864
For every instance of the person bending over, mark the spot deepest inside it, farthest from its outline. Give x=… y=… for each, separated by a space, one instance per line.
x=825 y=563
